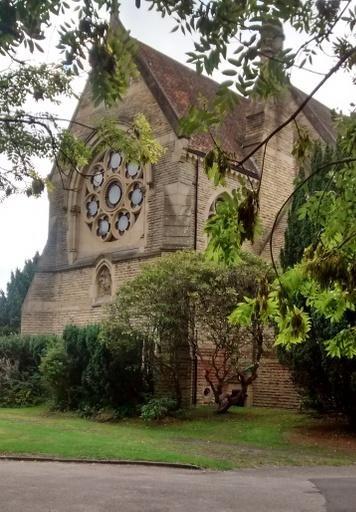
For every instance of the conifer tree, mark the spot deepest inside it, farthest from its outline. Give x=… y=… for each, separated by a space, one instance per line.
x=327 y=384
x=11 y=302
x=300 y=233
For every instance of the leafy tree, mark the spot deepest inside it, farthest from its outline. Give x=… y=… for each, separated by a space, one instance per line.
x=20 y=379
x=328 y=384
x=322 y=284
x=181 y=295
x=17 y=287
x=88 y=41
x=300 y=233
x=228 y=352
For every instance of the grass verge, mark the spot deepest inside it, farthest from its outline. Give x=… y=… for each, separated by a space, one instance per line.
x=243 y=438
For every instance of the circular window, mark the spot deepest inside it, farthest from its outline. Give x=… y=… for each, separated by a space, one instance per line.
x=97 y=179
x=113 y=194
x=136 y=197
x=103 y=227
x=115 y=160
x=123 y=222
x=133 y=168
x=92 y=207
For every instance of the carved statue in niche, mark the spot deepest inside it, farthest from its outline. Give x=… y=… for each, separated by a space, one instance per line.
x=103 y=282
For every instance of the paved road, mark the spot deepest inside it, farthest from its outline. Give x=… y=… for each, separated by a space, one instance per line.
x=58 y=487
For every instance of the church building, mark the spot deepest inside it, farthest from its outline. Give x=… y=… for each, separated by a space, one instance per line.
x=117 y=215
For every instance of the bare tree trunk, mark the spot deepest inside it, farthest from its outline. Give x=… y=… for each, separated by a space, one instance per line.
x=237 y=396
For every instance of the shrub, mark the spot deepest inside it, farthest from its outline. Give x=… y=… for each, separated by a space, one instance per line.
x=20 y=381
x=158 y=408
x=178 y=295
x=83 y=373
x=327 y=384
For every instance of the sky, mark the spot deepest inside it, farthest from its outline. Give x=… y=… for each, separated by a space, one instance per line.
x=23 y=221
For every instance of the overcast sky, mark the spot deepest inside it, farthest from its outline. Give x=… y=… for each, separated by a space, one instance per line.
x=23 y=221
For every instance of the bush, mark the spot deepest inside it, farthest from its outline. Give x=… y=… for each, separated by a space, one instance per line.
x=172 y=298
x=20 y=380
x=327 y=384
x=158 y=408
x=83 y=374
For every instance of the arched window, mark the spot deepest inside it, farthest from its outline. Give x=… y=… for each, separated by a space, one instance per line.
x=212 y=208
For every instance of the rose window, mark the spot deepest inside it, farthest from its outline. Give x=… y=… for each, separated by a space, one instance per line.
x=114 y=195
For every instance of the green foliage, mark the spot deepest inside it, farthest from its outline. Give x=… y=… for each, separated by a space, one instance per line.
x=158 y=408
x=171 y=298
x=235 y=221
x=153 y=307
x=138 y=144
x=259 y=66
x=82 y=373
x=20 y=380
x=112 y=65
x=323 y=282
x=74 y=153
x=327 y=383
x=300 y=233
x=11 y=303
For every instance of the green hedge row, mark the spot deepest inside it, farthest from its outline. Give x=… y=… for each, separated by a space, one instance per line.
x=75 y=371
x=20 y=380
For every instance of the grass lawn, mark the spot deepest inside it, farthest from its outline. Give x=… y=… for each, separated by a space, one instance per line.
x=243 y=438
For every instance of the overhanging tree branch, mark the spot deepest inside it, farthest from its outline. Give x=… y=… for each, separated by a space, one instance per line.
x=298 y=187
x=291 y=118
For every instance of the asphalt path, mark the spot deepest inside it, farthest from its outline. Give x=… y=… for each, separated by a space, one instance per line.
x=69 y=487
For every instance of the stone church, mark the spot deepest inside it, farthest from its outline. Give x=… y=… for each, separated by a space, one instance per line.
x=117 y=215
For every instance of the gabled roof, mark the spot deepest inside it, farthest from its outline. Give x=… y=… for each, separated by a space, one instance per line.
x=177 y=87
x=318 y=115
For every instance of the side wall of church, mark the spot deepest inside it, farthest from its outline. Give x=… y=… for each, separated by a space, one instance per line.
x=279 y=165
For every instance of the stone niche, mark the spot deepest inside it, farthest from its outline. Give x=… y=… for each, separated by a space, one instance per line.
x=103 y=286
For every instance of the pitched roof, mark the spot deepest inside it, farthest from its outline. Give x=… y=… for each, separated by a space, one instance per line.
x=177 y=87
x=318 y=115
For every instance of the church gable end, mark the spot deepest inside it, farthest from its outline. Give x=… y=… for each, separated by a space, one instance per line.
x=121 y=215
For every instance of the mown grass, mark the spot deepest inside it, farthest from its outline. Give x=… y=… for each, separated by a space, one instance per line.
x=243 y=438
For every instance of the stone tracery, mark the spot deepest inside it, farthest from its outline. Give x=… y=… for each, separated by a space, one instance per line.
x=114 y=195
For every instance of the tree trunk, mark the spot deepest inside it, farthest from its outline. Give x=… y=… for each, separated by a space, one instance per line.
x=227 y=400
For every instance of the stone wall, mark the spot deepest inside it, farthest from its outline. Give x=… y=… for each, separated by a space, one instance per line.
x=274 y=387
x=56 y=299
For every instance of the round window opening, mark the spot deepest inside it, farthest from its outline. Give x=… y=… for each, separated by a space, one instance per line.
x=114 y=195
x=123 y=222
x=92 y=207
x=97 y=179
x=115 y=160
x=136 y=197
x=103 y=227
x=133 y=168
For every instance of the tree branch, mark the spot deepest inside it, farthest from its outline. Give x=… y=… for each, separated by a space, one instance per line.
x=301 y=106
